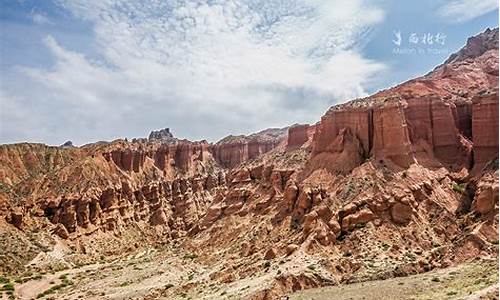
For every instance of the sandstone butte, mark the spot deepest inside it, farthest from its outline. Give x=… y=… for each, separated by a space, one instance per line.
x=401 y=182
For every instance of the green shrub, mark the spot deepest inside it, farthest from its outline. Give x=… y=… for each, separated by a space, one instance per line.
x=458 y=188
x=190 y=256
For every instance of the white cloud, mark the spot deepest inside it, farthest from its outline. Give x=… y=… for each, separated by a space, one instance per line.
x=458 y=11
x=206 y=69
x=40 y=19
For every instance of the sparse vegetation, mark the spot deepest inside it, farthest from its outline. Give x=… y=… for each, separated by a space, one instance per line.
x=65 y=282
x=385 y=246
x=125 y=283
x=190 y=256
x=458 y=188
x=410 y=256
x=8 y=287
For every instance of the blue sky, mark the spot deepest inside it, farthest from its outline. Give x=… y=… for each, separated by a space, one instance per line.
x=86 y=70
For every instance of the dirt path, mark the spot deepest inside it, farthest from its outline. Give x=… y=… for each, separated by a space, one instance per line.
x=30 y=289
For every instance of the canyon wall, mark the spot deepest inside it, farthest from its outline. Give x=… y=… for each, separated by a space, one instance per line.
x=300 y=135
x=485 y=127
x=230 y=155
x=428 y=129
x=170 y=158
x=234 y=150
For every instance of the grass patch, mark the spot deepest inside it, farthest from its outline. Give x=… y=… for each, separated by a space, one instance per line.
x=8 y=287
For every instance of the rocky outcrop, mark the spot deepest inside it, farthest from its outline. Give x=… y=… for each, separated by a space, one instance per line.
x=357 y=120
x=486 y=197
x=298 y=135
x=162 y=135
x=181 y=156
x=175 y=205
x=476 y=46
x=67 y=144
x=232 y=154
x=485 y=128
x=422 y=129
x=403 y=131
x=127 y=159
x=234 y=150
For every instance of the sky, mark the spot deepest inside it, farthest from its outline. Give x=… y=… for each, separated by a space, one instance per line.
x=91 y=70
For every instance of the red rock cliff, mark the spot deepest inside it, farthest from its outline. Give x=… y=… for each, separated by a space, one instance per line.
x=297 y=135
x=234 y=150
x=485 y=127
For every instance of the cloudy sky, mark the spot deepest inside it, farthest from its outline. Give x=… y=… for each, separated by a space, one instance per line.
x=89 y=70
